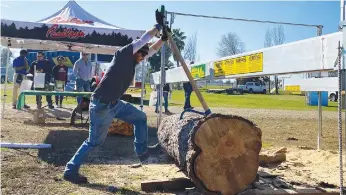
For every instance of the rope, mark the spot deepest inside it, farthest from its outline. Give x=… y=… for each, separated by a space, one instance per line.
x=246 y=20
x=340 y=122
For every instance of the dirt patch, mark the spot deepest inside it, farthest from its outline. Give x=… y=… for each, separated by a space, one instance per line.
x=40 y=171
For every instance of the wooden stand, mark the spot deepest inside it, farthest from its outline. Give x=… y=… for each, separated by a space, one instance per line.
x=219 y=153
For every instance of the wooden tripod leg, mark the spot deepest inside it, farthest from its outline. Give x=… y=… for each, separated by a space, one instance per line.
x=187 y=72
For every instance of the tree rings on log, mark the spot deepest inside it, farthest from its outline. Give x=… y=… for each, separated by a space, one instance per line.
x=219 y=153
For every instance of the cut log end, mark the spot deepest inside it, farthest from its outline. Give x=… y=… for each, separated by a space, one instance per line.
x=220 y=153
x=229 y=153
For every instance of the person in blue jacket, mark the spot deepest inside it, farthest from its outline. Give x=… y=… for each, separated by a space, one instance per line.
x=21 y=68
x=43 y=66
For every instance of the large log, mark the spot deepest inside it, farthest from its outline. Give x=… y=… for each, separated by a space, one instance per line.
x=219 y=153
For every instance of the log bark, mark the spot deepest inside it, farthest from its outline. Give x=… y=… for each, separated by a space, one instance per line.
x=219 y=153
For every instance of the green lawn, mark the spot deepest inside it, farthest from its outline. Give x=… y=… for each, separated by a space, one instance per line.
x=289 y=102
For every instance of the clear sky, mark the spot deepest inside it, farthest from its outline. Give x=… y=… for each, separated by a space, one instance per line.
x=141 y=15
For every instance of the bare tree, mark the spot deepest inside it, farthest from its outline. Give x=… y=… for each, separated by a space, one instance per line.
x=268 y=40
x=276 y=36
x=190 y=49
x=230 y=44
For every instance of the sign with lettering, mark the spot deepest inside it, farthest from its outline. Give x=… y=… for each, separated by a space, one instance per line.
x=70 y=33
x=59 y=20
x=240 y=65
x=198 y=71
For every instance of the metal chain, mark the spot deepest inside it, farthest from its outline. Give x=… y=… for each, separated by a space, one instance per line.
x=340 y=121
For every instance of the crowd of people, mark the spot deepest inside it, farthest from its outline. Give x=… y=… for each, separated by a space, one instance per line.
x=82 y=70
x=57 y=74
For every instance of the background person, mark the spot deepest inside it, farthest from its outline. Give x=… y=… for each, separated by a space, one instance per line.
x=82 y=70
x=188 y=90
x=21 y=68
x=60 y=74
x=165 y=92
x=43 y=66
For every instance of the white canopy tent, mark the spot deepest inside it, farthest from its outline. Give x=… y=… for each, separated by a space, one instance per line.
x=70 y=29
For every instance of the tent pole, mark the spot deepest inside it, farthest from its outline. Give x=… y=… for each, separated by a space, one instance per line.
x=142 y=85
x=319 y=135
x=162 y=77
x=5 y=88
x=162 y=80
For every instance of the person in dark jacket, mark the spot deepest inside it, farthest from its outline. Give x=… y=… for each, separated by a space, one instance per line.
x=188 y=90
x=166 y=91
x=60 y=76
x=43 y=66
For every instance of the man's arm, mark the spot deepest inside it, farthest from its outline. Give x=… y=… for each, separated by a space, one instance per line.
x=76 y=68
x=31 y=69
x=154 y=48
x=146 y=37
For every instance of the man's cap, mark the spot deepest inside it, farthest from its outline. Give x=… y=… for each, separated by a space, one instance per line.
x=23 y=51
x=144 y=49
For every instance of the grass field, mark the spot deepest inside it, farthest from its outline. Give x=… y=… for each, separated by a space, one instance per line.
x=287 y=102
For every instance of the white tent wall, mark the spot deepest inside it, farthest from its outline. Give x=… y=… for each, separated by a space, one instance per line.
x=314 y=54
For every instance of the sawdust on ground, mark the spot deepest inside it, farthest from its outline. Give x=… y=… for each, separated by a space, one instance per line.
x=307 y=166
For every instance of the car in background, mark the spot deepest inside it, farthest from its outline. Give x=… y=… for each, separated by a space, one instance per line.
x=253 y=87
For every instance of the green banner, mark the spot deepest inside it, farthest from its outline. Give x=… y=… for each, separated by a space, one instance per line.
x=198 y=71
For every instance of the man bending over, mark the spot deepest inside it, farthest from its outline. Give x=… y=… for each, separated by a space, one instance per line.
x=105 y=102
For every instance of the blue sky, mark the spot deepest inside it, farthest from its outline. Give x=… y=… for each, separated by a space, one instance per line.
x=140 y=15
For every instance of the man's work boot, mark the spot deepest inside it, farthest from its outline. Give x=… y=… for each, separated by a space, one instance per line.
x=26 y=106
x=75 y=178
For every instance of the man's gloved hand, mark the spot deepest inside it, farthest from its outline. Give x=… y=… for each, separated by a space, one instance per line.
x=164 y=36
x=160 y=18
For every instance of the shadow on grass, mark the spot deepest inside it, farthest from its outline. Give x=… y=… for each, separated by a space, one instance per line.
x=116 y=149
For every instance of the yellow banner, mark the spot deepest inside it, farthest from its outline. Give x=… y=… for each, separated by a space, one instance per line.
x=198 y=71
x=67 y=61
x=240 y=65
x=295 y=88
